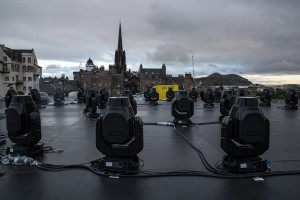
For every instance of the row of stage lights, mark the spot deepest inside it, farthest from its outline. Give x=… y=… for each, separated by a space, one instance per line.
x=244 y=131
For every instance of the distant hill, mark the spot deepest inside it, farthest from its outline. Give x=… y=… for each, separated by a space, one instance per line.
x=218 y=79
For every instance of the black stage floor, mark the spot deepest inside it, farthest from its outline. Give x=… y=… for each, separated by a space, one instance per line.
x=164 y=151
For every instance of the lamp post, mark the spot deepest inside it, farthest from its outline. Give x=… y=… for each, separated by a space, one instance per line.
x=63 y=82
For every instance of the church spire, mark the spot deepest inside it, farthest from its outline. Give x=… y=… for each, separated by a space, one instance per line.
x=120 y=45
x=120 y=55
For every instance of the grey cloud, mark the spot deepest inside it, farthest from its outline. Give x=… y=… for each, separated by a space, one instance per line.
x=58 y=70
x=278 y=67
x=212 y=65
x=53 y=67
x=170 y=53
x=238 y=36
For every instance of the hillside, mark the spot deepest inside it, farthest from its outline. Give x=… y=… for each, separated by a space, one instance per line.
x=218 y=79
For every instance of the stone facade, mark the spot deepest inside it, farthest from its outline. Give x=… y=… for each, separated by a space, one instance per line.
x=113 y=79
x=19 y=69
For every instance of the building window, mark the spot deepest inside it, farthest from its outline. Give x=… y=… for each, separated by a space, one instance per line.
x=6 y=78
x=29 y=60
x=35 y=78
x=23 y=59
x=29 y=88
x=29 y=78
x=24 y=89
x=4 y=58
x=13 y=78
x=24 y=78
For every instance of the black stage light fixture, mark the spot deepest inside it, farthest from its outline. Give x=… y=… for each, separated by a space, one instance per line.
x=59 y=97
x=291 y=99
x=170 y=94
x=36 y=97
x=226 y=103
x=217 y=95
x=103 y=98
x=153 y=96
x=241 y=92
x=146 y=94
x=128 y=93
x=245 y=136
x=119 y=136
x=202 y=95
x=265 y=97
x=193 y=94
x=208 y=98
x=182 y=108
x=8 y=96
x=91 y=104
x=23 y=121
x=80 y=96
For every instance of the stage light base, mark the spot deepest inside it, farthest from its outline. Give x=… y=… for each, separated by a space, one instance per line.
x=245 y=165
x=31 y=151
x=221 y=118
x=153 y=103
x=291 y=107
x=119 y=164
x=265 y=104
x=209 y=105
x=59 y=103
x=182 y=122
x=93 y=115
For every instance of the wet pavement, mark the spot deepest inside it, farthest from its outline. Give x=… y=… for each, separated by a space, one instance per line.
x=67 y=128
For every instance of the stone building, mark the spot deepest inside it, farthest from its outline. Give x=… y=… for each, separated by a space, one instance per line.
x=149 y=77
x=19 y=69
x=113 y=79
x=97 y=78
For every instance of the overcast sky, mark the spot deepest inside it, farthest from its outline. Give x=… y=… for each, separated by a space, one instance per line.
x=253 y=38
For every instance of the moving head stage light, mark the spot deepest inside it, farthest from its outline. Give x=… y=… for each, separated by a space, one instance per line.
x=103 y=98
x=146 y=94
x=80 y=96
x=265 y=97
x=245 y=136
x=23 y=124
x=119 y=136
x=217 y=95
x=91 y=103
x=208 y=98
x=182 y=108
x=128 y=93
x=241 y=92
x=8 y=96
x=193 y=94
x=153 y=96
x=291 y=99
x=226 y=103
x=58 y=97
x=36 y=97
x=170 y=94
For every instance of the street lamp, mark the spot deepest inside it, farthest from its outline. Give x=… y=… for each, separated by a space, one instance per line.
x=63 y=82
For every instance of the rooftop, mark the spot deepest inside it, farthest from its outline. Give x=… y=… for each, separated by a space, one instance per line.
x=165 y=150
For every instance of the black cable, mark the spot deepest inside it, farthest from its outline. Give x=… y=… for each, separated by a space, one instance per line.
x=214 y=172
x=207 y=123
x=169 y=123
x=200 y=154
x=50 y=167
